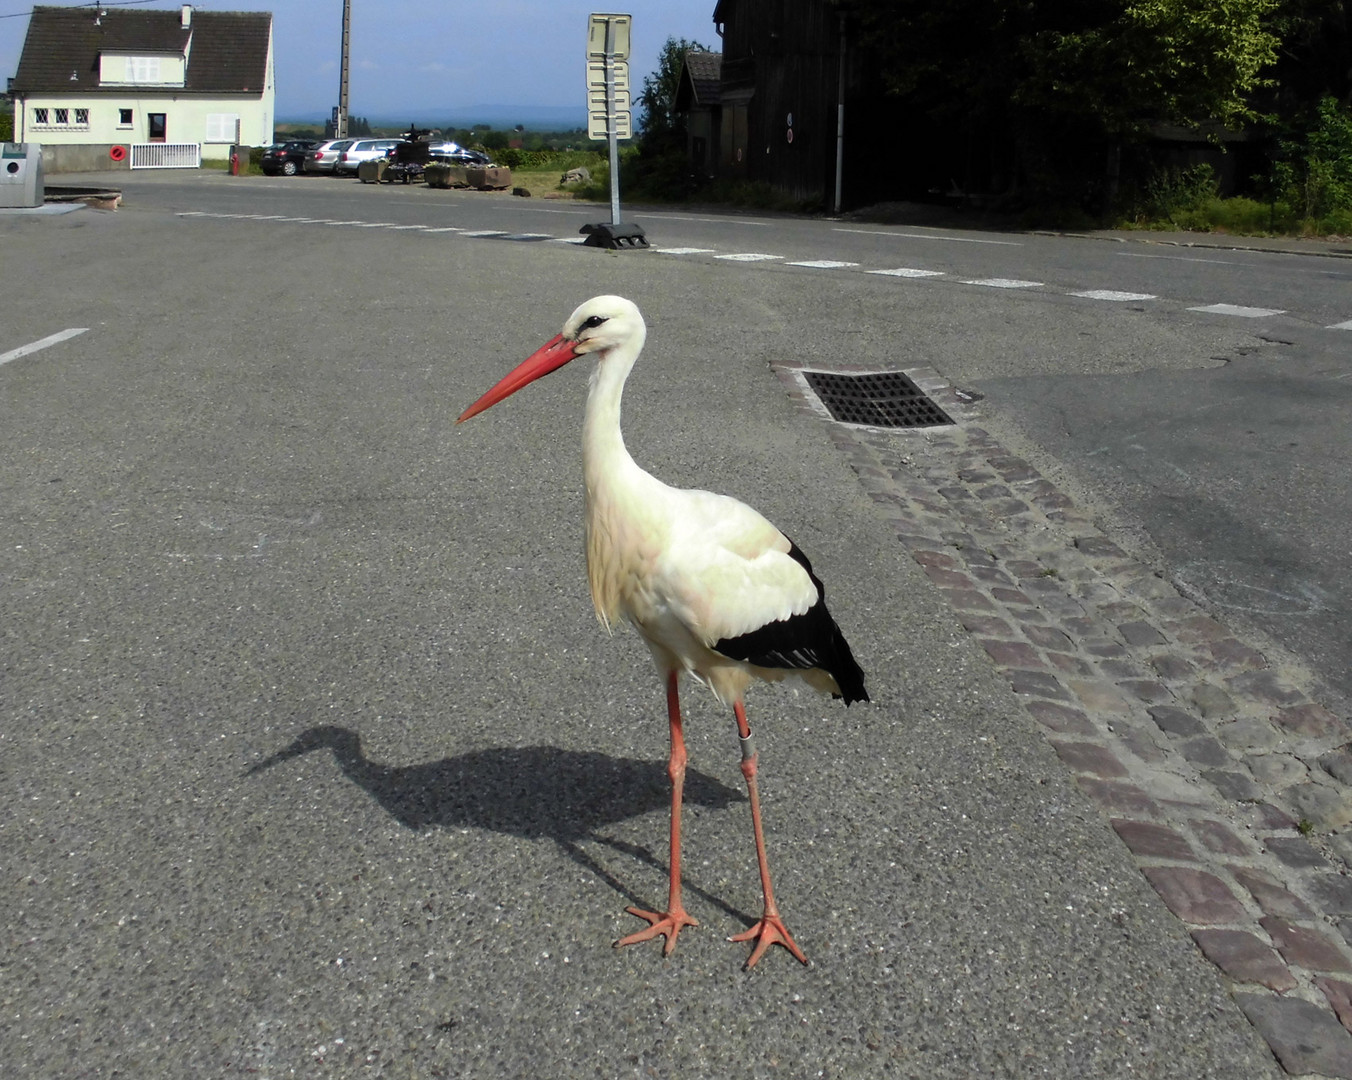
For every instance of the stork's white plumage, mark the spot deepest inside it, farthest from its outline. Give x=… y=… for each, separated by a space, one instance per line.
x=714 y=588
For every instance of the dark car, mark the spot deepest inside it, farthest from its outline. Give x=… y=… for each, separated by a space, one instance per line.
x=454 y=154
x=287 y=158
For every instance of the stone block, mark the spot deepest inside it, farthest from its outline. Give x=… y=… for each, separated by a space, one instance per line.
x=1306 y=947
x=1195 y=896
x=1245 y=958
x=1061 y=718
x=1314 y=721
x=1175 y=721
x=1306 y=1039
x=1326 y=808
x=1248 y=733
x=1087 y=758
x=1149 y=840
x=1271 y=895
x=1212 y=701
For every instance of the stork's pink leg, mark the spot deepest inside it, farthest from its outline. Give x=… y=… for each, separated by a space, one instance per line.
x=669 y=922
x=770 y=930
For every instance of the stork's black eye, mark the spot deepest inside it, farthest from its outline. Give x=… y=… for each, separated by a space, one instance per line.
x=593 y=322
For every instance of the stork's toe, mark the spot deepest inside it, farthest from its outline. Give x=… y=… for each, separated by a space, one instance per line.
x=669 y=923
x=770 y=930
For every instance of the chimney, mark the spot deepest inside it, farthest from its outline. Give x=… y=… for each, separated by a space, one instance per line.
x=187 y=16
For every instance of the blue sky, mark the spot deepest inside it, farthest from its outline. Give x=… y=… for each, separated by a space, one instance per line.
x=416 y=60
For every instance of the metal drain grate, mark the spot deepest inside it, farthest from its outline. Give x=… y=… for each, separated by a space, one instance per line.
x=887 y=399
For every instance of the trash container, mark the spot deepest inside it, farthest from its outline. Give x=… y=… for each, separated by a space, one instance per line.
x=21 y=174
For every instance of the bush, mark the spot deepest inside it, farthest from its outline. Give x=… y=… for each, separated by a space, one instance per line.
x=1179 y=197
x=1243 y=216
x=1315 y=170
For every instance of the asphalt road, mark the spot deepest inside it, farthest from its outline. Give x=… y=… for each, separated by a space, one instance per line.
x=316 y=762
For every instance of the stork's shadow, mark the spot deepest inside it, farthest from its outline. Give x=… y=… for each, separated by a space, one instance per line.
x=538 y=792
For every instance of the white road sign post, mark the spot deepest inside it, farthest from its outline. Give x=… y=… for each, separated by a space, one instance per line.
x=608 y=112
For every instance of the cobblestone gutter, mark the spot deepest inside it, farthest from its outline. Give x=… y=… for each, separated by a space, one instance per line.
x=1215 y=764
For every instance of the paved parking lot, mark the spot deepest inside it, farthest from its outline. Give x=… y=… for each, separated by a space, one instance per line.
x=317 y=763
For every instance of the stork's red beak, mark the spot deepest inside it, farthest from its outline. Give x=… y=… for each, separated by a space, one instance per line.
x=549 y=357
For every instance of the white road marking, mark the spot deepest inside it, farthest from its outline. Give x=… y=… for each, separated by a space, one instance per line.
x=1003 y=283
x=35 y=346
x=749 y=257
x=906 y=271
x=1236 y=309
x=930 y=236
x=713 y=220
x=1180 y=258
x=1113 y=294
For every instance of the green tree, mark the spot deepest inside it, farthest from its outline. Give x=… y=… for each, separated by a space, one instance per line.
x=1187 y=62
x=1050 y=91
x=1116 y=63
x=1315 y=169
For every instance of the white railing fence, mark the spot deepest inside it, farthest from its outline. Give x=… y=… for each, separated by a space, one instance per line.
x=166 y=155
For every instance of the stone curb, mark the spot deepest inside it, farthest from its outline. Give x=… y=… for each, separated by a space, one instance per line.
x=1215 y=765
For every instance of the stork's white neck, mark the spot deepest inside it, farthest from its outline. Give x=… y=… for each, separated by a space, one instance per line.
x=605 y=460
x=621 y=509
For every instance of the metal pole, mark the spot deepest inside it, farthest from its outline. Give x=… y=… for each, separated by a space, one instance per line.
x=611 y=124
x=840 y=121
x=340 y=127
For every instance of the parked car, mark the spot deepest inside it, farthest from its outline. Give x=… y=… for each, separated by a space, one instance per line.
x=324 y=157
x=455 y=154
x=362 y=150
x=287 y=158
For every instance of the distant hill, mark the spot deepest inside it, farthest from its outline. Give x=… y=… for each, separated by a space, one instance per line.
x=534 y=117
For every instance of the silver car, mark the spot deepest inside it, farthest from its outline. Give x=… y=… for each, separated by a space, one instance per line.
x=325 y=156
x=363 y=150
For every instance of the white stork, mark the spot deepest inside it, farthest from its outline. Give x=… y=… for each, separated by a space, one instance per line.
x=714 y=589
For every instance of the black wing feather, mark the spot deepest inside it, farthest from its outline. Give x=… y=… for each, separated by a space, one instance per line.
x=810 y=640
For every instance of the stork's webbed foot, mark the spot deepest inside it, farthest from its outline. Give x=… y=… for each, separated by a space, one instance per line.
x=669 y=923
x=770 y=930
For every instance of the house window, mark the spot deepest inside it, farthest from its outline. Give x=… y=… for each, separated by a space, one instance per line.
x=143 y=69
x=221 y=127
x=124 y=118
x=82 y=117
x=159 y=128
x=40 y=116
x=63 y=116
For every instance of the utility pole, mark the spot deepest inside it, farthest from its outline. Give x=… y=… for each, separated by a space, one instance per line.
x=340 y=113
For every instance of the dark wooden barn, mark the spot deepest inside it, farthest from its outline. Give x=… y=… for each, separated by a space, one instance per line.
x=699 y=99
x=784 y=112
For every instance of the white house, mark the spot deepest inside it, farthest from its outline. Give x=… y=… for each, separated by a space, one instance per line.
x=112 y=77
